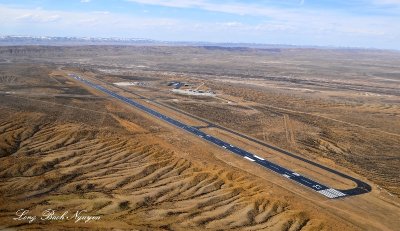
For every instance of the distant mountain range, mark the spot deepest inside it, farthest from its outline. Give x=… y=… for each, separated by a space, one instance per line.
x=48 y=40
x=11 y=40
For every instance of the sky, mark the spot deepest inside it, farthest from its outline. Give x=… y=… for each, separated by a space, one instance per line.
x=346 y=23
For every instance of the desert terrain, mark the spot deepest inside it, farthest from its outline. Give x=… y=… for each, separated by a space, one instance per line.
x=69 y=147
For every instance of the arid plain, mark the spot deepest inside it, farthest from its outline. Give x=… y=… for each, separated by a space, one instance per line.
x=66 y=146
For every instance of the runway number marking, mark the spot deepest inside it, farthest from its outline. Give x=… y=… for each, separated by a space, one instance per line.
x=317 y=186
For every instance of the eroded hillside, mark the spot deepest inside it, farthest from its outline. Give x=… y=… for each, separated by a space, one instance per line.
x=131 y=181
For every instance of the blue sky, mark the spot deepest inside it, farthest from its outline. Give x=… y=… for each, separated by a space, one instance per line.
x=351 y=23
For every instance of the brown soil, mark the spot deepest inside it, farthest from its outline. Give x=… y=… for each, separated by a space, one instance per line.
x=66 y=146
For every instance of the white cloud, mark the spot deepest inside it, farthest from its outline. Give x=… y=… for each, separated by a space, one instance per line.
x=88 y=23
x=38 y=18
x=38 y=15
x=85 y=1
x=172 y=3
x=232 y=7
x=285 y=18
x=275 y=25
x=101 y=12
x=231 y=24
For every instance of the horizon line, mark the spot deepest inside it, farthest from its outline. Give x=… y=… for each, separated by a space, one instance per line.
x=199 y=43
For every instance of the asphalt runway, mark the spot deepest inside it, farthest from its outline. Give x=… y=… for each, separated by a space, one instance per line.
x=324 y=190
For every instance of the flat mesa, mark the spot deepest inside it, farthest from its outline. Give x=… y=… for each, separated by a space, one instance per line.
x=201 y=132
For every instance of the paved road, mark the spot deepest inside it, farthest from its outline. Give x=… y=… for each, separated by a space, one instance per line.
x=302 y=180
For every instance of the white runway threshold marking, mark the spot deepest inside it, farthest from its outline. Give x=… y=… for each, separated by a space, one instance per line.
x=249 y=158
x=331 y=193
x=336 y=192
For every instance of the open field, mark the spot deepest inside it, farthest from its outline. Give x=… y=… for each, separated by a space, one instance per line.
x=66 y=146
